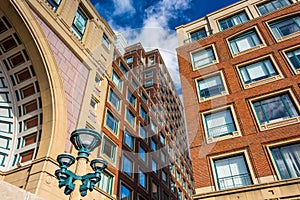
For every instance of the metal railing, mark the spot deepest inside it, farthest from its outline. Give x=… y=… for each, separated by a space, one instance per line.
x=234 y=181
x=221 y=130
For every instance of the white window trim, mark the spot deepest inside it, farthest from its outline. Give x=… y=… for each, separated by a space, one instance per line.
x=200 y=49
x=280 y=18
x=228 y=155
x=234 y=134
x=136 y=98
x=125 y=184
x=263 y=81
x=147 y=179
x=296 y=71
x=202 y=99
x=204 y=27
x=263 y=43
x=113 y=182
x=277 y=123
x=133 y=163
x=274 y=145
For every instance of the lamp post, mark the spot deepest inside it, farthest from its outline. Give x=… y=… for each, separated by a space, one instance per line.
x=85 y=141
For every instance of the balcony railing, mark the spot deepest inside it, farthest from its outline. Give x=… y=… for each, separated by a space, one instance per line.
x=234 y=181
x=221 y=130
x=212 y=91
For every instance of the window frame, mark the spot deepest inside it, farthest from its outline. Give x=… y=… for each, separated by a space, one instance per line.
x=105 y=41
x=198 y=34
x=215 y=61
x=283 y=19
x=129 y=112
x=276 y=123
x=115 y=132
x=131 y=137
x=54 y=4
x=236 y=133
x=267 y=2
x=120 y=84
x=280 y=144
x=230 y=17
x=261 y=81
x=79 y=34
x=127 y=187
x=285 y=52
x=111 y=182
x=109 y=96
x=146 y=179
x=241 y=34
x=223 y=93
x=131 y=173
x=229 y=155
x=115 y=152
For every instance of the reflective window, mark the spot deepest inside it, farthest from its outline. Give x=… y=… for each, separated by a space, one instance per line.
x=232 y=172
x=272 y=5
x=79 y=23
x=211 y=86
x=244 y=41
x=286 y=26
x=294 y=58
x=233 y=20
x=203 y=57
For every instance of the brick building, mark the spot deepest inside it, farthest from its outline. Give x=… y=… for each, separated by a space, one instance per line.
x=145 y=138
x=239 y=70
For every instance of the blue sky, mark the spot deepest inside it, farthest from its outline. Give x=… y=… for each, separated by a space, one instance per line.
x=153 y=22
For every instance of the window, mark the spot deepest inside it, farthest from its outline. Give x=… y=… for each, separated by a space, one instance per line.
x=109 y=149
x=219 y=123
x=232 y=172
x=79 y=23
x=153 y=145
x=93 y=103
x=164 y=176
x=126 y=193
x=197 y=35
x=172 y=168
x=151 y=59
x=114 y=99
x=286 y=26
x=54 y=3
x=165 y=196
x=179 y=194
x=149 y=74
x=117 y=80
x=287 y=159
x=154 y=166
x=178 y=176
x=149 y=83
x=123 y=68
x=211 y=86
x=153 y=127
x=144 y=97
x=106 y=183
x=105 y=41
x=233 y=20
x=162 y=139
x=131 y=98
x=127 y=166
x=143 y=133
x=112 y=122
x=128 y=140
x=134 y=84
x=244 y=41
x=130 y=117
x=294 y=58
x=163 y=157
x=143 y=113
x=129 y=59
x=173 y=187
x=155 y=190
x=142 y=179
x=275 y=108
x=142 y=154
x=203 y=57
x=98 y=79
x=272 y=5
x=257 y=71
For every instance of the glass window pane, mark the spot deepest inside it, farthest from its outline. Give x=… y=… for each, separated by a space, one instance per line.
x=211 y=86
x=294 y=57
x=203 y=57
x=126 y=193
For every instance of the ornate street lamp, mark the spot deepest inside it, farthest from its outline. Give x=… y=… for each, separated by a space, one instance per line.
x=85 y=141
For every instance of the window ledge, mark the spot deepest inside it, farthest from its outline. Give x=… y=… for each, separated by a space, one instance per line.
x=279 y=123
x=264 y=81
x=224 y=137
x=248 y=50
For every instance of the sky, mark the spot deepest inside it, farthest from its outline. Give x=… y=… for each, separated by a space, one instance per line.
x=153 y=22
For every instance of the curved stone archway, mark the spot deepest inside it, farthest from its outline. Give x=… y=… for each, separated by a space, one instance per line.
x=32 y=104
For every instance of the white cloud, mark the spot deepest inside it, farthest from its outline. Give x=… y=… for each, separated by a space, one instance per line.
x=123 y=7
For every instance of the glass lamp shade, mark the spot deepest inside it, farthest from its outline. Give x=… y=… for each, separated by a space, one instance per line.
x=65 y=160
x=98 y=164
x=85 y=140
